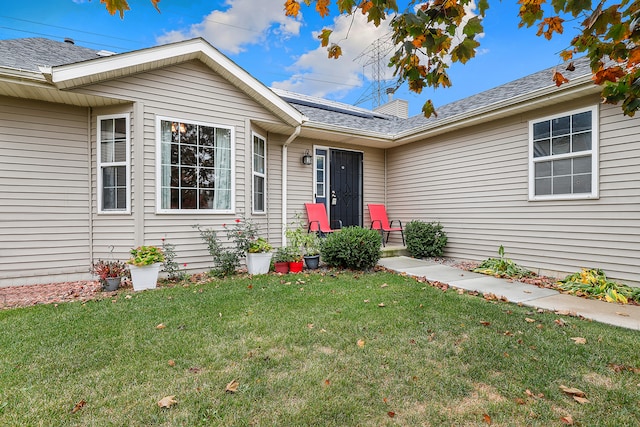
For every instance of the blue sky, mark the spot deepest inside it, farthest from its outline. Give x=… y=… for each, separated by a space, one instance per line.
x=280 y=51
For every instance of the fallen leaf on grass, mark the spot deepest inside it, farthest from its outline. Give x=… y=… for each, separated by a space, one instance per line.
x=581 y=399
x=384 y=285
x=360 y=343
x=167 y=402
x=577 y=394
x=486 y=418
x=529 y=320
x=327 y=382
x=78 y=406
x=381 y=305
x=161 y=326
x=579 y=340
x=485 y=323
x=172 y=363
x=232 y=387
x=567 y=419
x=367 y=301
x=535 y=396
x=391 y=414
x=560 y=322
x=310 y=325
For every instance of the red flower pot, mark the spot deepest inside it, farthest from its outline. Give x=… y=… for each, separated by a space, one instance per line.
x=281 y=267
x=296 y=266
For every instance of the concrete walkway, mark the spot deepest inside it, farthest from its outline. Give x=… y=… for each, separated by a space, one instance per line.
x=626 y=316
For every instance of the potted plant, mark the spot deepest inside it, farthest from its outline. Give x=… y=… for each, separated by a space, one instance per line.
x=303 y=245
x=311 y=244
x=110 y=273
x=281 y=260
x=259 y=256
x=145 y=264
x=296 y=264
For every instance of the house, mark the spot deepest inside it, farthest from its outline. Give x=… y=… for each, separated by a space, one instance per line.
x=101 y=152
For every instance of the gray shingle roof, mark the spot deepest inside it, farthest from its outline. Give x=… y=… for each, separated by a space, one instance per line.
x=28 y=54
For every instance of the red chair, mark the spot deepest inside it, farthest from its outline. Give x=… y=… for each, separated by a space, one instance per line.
x=318 y=220
x=380 y=222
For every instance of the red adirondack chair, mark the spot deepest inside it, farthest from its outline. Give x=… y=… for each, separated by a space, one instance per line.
x=318 y=220
x=380 y=222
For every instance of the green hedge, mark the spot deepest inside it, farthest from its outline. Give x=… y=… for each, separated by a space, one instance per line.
x=425 y=239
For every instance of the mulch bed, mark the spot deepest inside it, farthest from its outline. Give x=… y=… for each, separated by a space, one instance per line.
x=50 y=293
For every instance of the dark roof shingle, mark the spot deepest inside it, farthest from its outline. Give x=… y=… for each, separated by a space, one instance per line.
x=27 y=54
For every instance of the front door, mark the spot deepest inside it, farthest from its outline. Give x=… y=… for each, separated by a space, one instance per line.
x=345 y=187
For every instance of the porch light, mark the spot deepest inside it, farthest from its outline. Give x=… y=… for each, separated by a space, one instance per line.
x=307 y=159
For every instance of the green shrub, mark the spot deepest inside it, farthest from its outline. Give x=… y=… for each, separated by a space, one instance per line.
x=502 y=267
x=425 y=239
x=356 y=248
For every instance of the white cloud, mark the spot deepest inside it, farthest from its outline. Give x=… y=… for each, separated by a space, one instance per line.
x=317 y=75
x=245 y=22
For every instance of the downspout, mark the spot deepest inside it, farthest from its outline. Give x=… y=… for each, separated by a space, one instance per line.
x=285 y=147
x=90 y=168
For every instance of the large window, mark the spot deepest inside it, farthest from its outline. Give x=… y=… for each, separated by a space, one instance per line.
x=259 y=172
x=113 y=164
x=563 y=156
x=195 y=167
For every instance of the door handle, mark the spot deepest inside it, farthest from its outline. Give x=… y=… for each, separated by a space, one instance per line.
x=334 y=198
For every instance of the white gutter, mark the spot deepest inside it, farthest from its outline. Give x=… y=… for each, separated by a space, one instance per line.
x=285 y=147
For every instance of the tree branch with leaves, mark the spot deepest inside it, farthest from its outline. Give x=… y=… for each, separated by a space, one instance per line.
x=429 y=35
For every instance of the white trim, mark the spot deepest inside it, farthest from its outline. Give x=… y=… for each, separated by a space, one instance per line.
x=159 y=209
x=254 y=174
x=127 y=163
x=594 y=152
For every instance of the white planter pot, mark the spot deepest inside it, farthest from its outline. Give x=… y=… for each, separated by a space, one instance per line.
x=145 y=277
x=258 y=263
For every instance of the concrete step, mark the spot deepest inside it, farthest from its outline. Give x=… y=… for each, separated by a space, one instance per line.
x=393 y=251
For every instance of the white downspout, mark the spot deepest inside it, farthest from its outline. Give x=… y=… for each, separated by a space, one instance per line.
x=285 y=147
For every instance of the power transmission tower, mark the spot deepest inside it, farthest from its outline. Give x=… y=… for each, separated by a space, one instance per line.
x=376 y=57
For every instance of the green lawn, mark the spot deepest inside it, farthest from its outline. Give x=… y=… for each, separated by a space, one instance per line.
x=311 y=350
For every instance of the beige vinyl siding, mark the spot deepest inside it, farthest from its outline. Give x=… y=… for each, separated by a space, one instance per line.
x=191 y=92
x=475 y=182
x=44 y=208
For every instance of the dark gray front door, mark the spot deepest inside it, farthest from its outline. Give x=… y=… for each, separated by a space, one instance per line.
x=345 y=187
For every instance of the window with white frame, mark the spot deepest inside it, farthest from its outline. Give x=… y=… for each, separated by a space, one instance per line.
x=113 y=164
x=320 y=175
x=259 y=172
x=563 y=156
x=195 y=166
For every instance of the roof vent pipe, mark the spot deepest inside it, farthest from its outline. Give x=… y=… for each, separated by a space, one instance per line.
x=390 y=92
x=69 y=40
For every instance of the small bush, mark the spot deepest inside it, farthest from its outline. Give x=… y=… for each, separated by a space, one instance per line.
x=425 y=239
x=356 y=248
x=502 y=267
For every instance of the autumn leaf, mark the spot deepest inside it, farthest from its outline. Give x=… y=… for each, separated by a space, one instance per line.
x=559 y=79
x=579 y=340
x=232 y=387
x=485 y=323
x=114 y=6
x=161 y=326
x=567 y=419
x=167 y=402
x=529 y=320
x=291 y=8
x=571 y=66
x=324 y=37
x=486 y=418
x=391 y=414
x=572 y=391
x=381 y=305
x=553 y=24
x=582 y=400
x=418 y=41
x=335 y=51
x=611 y=74
x=360 y=343
x=78 y=406
x=366 y=6
x=322 y=6
x=172 y=362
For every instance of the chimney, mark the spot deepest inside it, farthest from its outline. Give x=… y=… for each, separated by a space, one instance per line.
x=390 y=92
x=398 y=107
x=69 y=40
